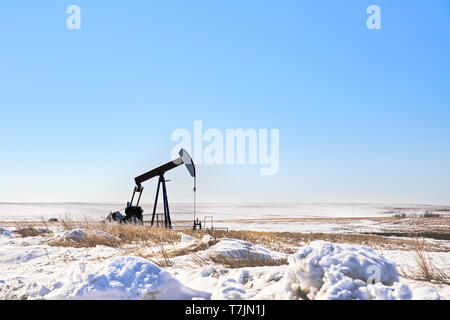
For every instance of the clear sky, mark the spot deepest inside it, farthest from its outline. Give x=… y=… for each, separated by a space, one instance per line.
x=364 y=115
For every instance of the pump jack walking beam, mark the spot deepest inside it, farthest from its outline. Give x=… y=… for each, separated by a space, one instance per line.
x=158 y=171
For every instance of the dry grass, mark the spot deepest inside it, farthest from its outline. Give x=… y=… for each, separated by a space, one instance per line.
x=196 y=247
x=424 y=269
x=127 y=233
x=121 y=234
x=287 y=242
x=32 y=232
x=146 y=237
x=25 y=229
x=91 y=240
x=234 y=262
x=130 y=233
x=280 y=241
x=159 y=257
x=162 y=256
x=250 y=261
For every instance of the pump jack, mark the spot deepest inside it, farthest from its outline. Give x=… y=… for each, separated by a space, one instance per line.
x=134 y=213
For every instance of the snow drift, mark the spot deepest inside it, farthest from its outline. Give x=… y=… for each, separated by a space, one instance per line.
x=324 y=270
x=234 y=248
x=80 y=235
x=126 y=278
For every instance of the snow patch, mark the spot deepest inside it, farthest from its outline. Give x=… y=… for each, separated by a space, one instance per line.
x=13 y=255
x=229 y=289
x=425 y=293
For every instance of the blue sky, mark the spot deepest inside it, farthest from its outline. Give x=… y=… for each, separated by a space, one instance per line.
x=363 y=114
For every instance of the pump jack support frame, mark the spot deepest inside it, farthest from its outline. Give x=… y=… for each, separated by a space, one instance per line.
x=167 y=220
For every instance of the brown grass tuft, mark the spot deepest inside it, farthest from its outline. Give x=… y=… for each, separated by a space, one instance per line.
x=127 y=233
x=287 y=242
x=424 y=269
x=25 y=229
x=250 y=261
x=90 y=241
x=160 y=257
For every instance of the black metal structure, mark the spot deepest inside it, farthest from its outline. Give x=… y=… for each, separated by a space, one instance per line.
x=136 y=211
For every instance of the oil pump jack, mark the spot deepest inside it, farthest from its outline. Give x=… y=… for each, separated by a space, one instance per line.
x=134 y=213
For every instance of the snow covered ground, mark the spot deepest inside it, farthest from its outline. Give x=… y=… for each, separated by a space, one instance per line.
x=32 y=269
x=220 y=211
x=264 y=217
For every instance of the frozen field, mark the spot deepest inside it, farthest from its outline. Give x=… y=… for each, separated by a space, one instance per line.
x=314 y=217
x=348 y=243
x=64 y=264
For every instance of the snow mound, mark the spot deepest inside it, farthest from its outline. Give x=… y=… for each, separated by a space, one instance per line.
x=77 y=235
x=80 y=235
x=234 y=248
x=324 y=270
x=186 y=239
x=126 y=278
